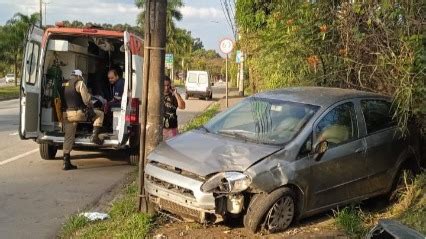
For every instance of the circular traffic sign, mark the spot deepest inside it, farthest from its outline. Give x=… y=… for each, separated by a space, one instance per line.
x=226 y=45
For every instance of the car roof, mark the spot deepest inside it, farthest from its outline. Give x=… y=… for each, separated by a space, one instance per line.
x=197 y=71
x=84 y=32
x=321 y=96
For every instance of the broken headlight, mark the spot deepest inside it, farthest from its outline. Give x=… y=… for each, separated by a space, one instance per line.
x=227 y=182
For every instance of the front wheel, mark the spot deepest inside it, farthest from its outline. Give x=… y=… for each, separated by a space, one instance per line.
x=47 y=151
x=274 y=211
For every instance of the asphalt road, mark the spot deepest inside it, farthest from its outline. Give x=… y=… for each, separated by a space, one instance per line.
x=36 y=196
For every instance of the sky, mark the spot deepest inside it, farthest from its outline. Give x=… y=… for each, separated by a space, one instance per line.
x=204 y=18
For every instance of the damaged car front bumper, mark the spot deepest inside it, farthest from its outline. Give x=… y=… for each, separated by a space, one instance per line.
x=179 y=193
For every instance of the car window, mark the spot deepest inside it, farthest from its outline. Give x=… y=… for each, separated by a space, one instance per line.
x=30 y=70
x=378 y=115
x=338 y=126
x=192 y=78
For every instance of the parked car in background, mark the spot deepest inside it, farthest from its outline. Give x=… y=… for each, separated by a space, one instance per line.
x=198 y=84
x=10 y=78
x=280 y=156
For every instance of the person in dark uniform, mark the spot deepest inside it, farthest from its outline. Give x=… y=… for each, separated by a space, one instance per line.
x=117 y=89
x=75 y=100
x=172 y=101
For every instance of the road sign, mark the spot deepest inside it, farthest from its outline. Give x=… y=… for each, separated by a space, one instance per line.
x=239 y=57
x=169 y=60
x=226 y=46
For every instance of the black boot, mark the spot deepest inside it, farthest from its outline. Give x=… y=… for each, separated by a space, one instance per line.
x=67 y=163
x=95 y=136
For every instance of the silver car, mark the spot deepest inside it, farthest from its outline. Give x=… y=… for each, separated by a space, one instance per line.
x=281 y=155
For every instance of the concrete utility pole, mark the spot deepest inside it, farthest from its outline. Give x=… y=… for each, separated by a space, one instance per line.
x=152 y=91
x=41 y=12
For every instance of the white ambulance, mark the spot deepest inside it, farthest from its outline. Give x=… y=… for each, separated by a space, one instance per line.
x=50 y=56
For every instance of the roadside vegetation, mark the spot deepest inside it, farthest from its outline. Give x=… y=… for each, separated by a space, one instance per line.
x=9 y=92
x=366 y=45
x=125 y=221
x=200 y=120
x=410 y=209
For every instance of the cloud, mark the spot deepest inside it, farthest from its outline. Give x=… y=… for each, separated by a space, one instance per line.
x=99 y=11
x=201 y=12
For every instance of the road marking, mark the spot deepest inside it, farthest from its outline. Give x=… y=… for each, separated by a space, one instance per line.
x=18 y=157
x=13 y=134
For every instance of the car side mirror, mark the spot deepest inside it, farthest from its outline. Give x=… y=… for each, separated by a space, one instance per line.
x=320 y=150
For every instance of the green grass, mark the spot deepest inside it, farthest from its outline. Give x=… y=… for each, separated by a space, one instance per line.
x=125 y=221
x=350 y=220
x=410 y=209
x=9 y=92
x=202 y=118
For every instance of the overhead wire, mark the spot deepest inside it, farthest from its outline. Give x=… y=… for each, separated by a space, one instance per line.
x=225 y=15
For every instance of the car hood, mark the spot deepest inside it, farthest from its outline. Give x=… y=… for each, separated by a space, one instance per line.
x=204 y=153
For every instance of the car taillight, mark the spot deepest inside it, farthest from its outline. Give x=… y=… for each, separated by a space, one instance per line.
x=133 y=115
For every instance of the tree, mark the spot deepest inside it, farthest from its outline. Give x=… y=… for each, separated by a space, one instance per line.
x=367 y=45
x=12 y=37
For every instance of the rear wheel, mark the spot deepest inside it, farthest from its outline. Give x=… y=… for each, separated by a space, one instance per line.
x=273 y=212
x=47 y=151
x=134 y=156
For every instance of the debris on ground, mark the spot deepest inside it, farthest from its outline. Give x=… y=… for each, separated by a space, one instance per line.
x=95 y=216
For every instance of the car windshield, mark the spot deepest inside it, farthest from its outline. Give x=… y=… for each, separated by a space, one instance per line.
x=262 y=120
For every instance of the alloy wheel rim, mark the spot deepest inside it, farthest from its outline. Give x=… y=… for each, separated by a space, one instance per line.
x=281 y=214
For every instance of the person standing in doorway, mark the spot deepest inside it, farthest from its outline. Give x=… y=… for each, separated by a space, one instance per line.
x=77 y=108
x=172 y=101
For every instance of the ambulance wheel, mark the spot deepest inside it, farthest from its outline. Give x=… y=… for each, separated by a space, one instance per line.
x=134 y=156
x=47 y=151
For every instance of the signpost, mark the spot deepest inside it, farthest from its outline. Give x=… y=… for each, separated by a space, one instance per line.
x=226 y=46
x=169 y=64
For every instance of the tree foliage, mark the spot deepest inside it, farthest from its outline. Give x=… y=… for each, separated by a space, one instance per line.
x=12 y=36
x=364 y=45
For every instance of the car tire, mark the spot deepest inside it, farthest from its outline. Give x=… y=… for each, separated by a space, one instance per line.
x=263 y=207
x=186 y=96
x=47 y=151
x=134 y=156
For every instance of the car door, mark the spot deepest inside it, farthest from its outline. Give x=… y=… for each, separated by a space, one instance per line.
x=340 y=173
x=29 y=122
x=384 y=142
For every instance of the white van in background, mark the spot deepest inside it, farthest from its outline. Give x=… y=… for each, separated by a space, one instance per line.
x=50 y=56
x=198 y=84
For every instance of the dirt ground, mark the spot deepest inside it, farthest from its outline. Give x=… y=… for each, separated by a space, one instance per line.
x=314 y=227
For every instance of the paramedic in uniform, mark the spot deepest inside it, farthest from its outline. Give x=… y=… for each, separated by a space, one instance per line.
x=76 y=98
